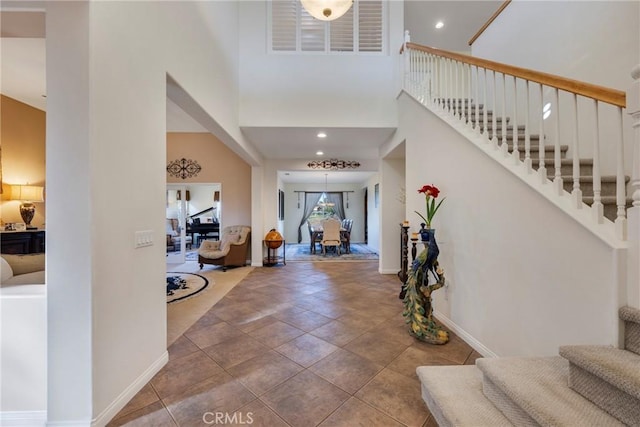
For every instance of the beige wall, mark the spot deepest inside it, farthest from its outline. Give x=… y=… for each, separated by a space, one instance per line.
x=23 y=155
x=219 y=164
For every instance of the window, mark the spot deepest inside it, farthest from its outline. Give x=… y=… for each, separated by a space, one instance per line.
x=361 y=29
x=322 y=210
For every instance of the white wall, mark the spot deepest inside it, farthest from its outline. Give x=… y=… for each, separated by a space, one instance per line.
x=106 y=131
x=276 y=89
x=462 y=19
x=373 y=213
x=23 y=369
x=392 y=213
x=522 y=276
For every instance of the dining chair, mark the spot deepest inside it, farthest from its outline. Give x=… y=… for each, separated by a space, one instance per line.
x=313 y=237
x=331 y=235
x=345 y=234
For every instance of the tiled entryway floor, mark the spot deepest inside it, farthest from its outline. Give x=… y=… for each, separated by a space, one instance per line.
x=304 y=344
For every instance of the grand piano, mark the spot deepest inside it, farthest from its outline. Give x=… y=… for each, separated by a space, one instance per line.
x=205 y=230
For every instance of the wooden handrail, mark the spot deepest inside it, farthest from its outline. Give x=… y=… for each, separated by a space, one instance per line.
x=493 y=17
x=599 y=93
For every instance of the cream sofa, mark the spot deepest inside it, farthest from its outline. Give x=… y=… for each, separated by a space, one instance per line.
x=22 y=270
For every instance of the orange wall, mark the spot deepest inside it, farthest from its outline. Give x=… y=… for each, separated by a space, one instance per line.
x=23 y=136
x=219 y=164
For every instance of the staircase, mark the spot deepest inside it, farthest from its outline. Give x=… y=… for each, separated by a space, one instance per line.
x=585 y=386
x=505 y=134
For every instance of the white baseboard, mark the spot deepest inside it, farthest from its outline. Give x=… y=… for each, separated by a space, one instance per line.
x=468 y=338
x=124 y=398
x=23 y=418
x=69 y=423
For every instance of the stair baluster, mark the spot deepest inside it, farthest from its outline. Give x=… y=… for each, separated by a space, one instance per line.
x=477 y=116
x=516 y=152
x=557 y=179
x=504 y=146
x=542 y=170
x=597 y=207
x=494 y=106
x=527 y=132
x=621 y=214
x=485 y=121
x=469 y=106
x=576 y=192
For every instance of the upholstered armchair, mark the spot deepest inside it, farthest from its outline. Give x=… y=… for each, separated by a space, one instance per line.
x=173 y=235
x=230 y=250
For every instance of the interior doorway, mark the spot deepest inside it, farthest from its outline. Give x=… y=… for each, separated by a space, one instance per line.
x=366 y=215
x=193 y=214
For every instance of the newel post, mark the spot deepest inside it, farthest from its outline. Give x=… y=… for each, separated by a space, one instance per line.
x=633 y=214
x=406 y=61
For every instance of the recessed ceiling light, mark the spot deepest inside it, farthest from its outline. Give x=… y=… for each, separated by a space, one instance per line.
x=439 y=24
x=322 y=135
x=319 y=153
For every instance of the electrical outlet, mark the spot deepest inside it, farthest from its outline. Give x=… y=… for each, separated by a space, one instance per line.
x=143 y=238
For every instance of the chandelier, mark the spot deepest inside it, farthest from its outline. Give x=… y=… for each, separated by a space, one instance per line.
x=325 y=203
x=326 y=10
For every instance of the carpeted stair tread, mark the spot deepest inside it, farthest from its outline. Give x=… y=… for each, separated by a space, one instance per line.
x=589 y=178
x=567 y=162
x=629 y=314
x=539 y=386
x=631 y=317
x=610 y=200
x=454 y=397
x=618 y=367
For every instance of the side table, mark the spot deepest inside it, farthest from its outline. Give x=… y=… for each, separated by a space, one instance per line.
x=272 y=257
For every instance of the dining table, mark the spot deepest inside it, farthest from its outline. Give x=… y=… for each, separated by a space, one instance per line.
x=316 y=237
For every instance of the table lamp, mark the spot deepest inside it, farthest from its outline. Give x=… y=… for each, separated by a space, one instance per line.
x=27 y=194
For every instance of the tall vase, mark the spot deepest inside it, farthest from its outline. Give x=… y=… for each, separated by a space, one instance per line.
x=427 y=234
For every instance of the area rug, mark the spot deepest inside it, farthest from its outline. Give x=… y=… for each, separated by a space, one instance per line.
x=302 y=252
x=182 y=286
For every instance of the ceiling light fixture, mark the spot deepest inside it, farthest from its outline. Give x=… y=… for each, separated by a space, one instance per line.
x=324 y=202
x=326 y=10
x=322 y=135
x=439 y=24
x=319 y=153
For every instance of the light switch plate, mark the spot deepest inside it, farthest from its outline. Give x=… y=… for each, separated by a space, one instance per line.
x=143 y=238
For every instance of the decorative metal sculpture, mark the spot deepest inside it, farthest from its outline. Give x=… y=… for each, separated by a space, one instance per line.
x=333 y=164
x=417 y=291
x=183 y=168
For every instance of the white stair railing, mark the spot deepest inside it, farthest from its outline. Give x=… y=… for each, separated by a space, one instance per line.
x=467 y=89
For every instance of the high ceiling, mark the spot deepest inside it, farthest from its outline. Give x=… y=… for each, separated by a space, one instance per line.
x=24 y=78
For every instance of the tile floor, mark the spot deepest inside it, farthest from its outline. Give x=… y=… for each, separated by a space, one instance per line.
x=304 y=344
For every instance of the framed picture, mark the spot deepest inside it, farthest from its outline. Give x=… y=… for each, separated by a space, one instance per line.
x=281 y=205
x=376 y=195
